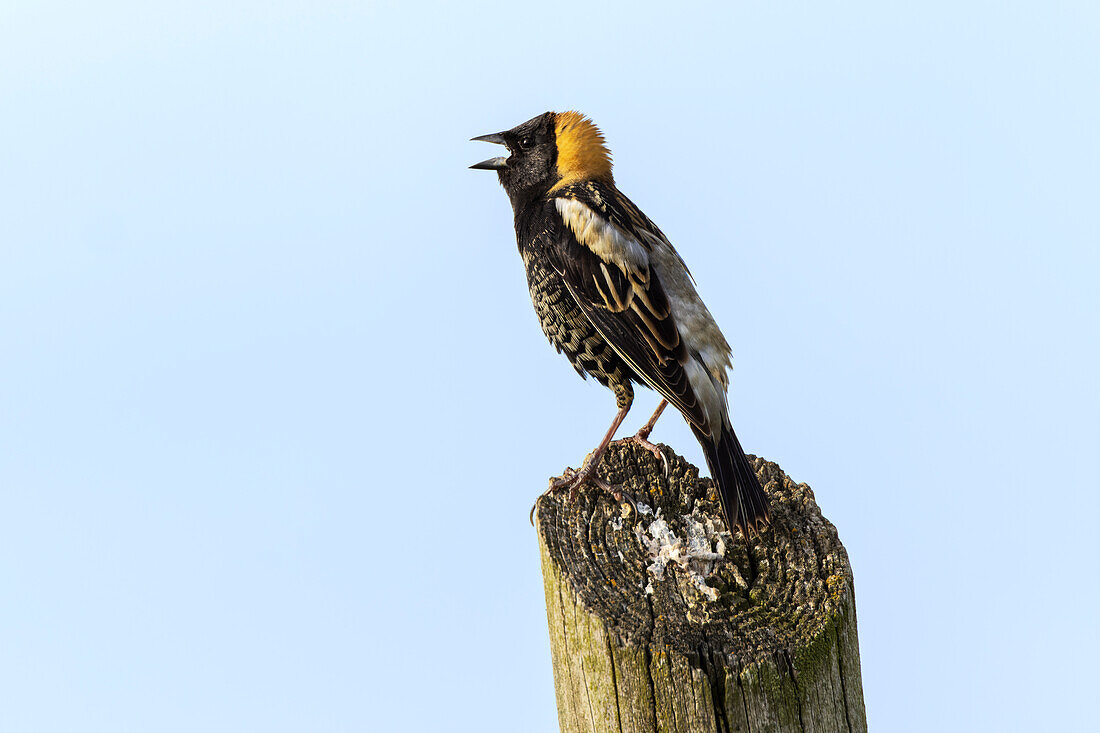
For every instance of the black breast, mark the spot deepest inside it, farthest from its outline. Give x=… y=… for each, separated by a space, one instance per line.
x=561 y=318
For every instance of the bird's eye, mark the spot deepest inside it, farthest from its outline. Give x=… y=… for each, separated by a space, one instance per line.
x=527 y=142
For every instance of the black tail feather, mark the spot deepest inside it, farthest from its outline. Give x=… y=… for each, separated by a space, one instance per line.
x=743 y=501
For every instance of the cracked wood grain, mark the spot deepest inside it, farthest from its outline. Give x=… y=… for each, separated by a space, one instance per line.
x=777 y=649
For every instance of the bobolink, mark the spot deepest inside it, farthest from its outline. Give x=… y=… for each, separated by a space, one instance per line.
x=613 y=294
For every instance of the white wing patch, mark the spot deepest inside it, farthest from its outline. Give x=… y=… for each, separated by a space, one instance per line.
x=708 y=371
x=610 y=243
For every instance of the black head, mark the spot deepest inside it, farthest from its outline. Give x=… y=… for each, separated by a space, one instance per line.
x=531 y=166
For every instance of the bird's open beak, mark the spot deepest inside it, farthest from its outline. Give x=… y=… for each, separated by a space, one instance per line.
x=492 y=164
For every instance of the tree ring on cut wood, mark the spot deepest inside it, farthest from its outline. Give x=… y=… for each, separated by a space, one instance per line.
x=767 y=622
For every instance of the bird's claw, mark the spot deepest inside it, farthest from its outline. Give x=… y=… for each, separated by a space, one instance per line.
x=621 y=497
x=642 y=440
x=572 y=480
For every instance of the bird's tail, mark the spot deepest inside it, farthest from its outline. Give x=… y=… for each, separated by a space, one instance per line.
x=743 y=501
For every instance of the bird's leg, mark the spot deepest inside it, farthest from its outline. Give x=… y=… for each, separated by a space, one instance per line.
x=572 y=480
x=641 y=438
x=648 y=427
x=587 y=473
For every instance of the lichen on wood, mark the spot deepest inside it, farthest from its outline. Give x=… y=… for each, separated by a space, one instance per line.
x=672 y=627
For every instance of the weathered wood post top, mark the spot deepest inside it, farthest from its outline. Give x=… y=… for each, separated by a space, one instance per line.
x=661 y=621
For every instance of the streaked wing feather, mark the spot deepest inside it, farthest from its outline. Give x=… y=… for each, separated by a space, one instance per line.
x=663 y=373
x=630 y=311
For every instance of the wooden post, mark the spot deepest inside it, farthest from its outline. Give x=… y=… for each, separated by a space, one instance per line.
x=659 y=623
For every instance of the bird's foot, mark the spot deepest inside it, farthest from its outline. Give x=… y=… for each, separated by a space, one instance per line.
x=642 y=440
x=573 y=480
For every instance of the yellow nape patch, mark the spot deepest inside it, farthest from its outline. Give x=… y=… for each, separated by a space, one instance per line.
x=582 y=154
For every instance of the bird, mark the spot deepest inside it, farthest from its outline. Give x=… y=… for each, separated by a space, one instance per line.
x=613 y=294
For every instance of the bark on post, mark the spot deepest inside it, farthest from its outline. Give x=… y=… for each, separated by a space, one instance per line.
x=658 y=623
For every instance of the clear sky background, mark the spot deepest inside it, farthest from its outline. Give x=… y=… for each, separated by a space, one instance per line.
x=274 y=404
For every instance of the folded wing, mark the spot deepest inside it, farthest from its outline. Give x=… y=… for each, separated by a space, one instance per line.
x=610 y=274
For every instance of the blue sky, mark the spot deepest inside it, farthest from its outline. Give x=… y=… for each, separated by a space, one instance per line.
x=274 y=404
